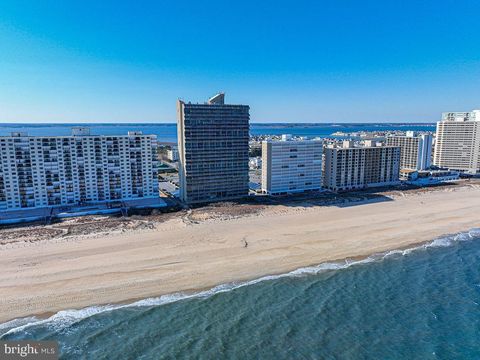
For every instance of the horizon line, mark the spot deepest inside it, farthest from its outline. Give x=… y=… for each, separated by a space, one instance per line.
x=253 y=122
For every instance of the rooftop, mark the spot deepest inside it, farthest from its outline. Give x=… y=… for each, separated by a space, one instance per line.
x=76 y=132
x=473 y=115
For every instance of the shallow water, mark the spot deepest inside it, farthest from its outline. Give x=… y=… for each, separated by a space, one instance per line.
x=421 y=303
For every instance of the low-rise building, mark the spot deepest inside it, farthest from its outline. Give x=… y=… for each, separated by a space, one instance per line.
x=427 y=177
x=438 y=176
x=408 y=175
x=172 y=154
x=255 y=163
x=350 y=167
x=290 y=166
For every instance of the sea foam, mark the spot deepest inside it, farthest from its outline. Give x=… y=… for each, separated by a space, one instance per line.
x=66 y=318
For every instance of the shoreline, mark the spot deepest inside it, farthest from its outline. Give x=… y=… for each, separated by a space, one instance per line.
x=227 y=287
x=178 y=257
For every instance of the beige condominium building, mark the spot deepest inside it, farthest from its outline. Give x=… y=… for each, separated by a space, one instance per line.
x=457 y=144
x=290 y=166
x=350 y=167
x=213 y=150
x=415 y=150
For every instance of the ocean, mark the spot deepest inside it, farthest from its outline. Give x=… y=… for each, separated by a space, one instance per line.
x=420 y=303
x=168 y=132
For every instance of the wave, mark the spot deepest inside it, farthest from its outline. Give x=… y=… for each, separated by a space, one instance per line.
x=66 y=318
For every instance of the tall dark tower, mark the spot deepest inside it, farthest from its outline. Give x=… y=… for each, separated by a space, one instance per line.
x=213 y=150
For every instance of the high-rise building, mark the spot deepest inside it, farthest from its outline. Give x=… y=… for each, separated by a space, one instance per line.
x=415 y=150
x=213 y=150
x=352 y=167
x=45 y=171
x=290 y=166
x=457 y=143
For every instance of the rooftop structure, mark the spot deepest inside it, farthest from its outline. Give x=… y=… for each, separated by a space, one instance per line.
x=473 y=115
x=218 y=99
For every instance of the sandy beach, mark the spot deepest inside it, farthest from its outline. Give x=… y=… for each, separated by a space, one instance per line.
x=186 y=252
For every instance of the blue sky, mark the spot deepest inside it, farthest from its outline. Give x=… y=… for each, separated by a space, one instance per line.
x=301 y=61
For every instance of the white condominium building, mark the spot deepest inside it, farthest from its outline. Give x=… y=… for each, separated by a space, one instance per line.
x=45 y=171
x=291 y=166
x=457 y=144
x=415 y=151
x=356 y=167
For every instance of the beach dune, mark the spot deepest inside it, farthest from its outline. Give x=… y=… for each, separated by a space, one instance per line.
x=65 y=273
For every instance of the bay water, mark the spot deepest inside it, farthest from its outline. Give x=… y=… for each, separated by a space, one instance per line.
x=167 y=132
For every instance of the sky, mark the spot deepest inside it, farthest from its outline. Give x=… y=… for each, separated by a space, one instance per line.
x=291 y=61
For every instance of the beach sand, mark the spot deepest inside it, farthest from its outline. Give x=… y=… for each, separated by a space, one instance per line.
x=67 y=272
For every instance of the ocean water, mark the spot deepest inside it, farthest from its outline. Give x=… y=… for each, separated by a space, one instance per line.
x=168 y=132
x=420 y=303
